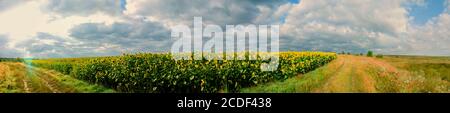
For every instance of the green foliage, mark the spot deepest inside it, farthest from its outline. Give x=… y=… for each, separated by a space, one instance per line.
x=11 y=60
x=160 y=73
x=370 y=54
x=379 y=56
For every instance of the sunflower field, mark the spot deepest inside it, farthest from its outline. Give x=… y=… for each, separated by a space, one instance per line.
x=159 y=73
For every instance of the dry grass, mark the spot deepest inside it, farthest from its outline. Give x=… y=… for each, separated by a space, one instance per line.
x=369 y=75
x=18 y=78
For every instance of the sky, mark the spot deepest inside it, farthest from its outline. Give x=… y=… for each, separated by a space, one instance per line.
x=83 y=28
x=427 y=10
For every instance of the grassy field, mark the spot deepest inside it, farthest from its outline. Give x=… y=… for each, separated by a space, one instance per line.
x=428 y=67
x=18 y=78
x=347 y=73
x=160 y=73
x=391 y=74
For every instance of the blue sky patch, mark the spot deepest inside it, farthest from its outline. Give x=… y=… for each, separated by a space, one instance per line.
x=122 y=4
x=295 y=1
x=422 y=14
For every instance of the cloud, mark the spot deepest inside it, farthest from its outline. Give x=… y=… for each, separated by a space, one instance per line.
x=44 y=45
x=28 y=21
x=24 y=21
x=3 y=40
x=126 y=36
x=84 y=7
x=76 y=28
x=433 y=38
x=217 y=12
x=6 y=4
x=447 y=3
x=356 y=26
x=6 y=50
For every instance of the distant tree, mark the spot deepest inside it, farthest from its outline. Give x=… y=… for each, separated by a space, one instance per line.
x=361 y=54
x=348 y=53
x=343 y=52
x=379 y=56
x=370 y=53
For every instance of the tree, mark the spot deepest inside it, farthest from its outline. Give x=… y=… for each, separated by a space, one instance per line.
x=370 y=53
x=379 y=56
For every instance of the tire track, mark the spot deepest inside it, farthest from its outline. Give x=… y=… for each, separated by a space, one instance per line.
x=334 y=83
x=25 y=86
x=40 y=76
x=48 y=85
x=21 y=80
x=368 y=83
x=28 y=79
x=352 y=77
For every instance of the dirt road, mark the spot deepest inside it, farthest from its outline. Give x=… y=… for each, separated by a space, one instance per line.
x=358 y=74
x=19 y=78
x=350 y=73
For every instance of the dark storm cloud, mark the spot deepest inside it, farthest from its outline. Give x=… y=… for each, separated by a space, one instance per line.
x=212 y=11
x=124 y=34
x=136 y=36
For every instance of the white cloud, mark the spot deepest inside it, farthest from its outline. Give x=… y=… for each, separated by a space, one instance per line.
x=21 y=21
x=432 y=38
x=357 y=25
x=24 y=21
x=361 y=25
x=99 y=27
x=270 y=15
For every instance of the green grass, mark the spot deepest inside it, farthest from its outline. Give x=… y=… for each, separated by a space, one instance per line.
x=7 y=85
x=18 y=78
x=302 y=83
x=428 y=72
x=399 y=74
x=79 y=85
